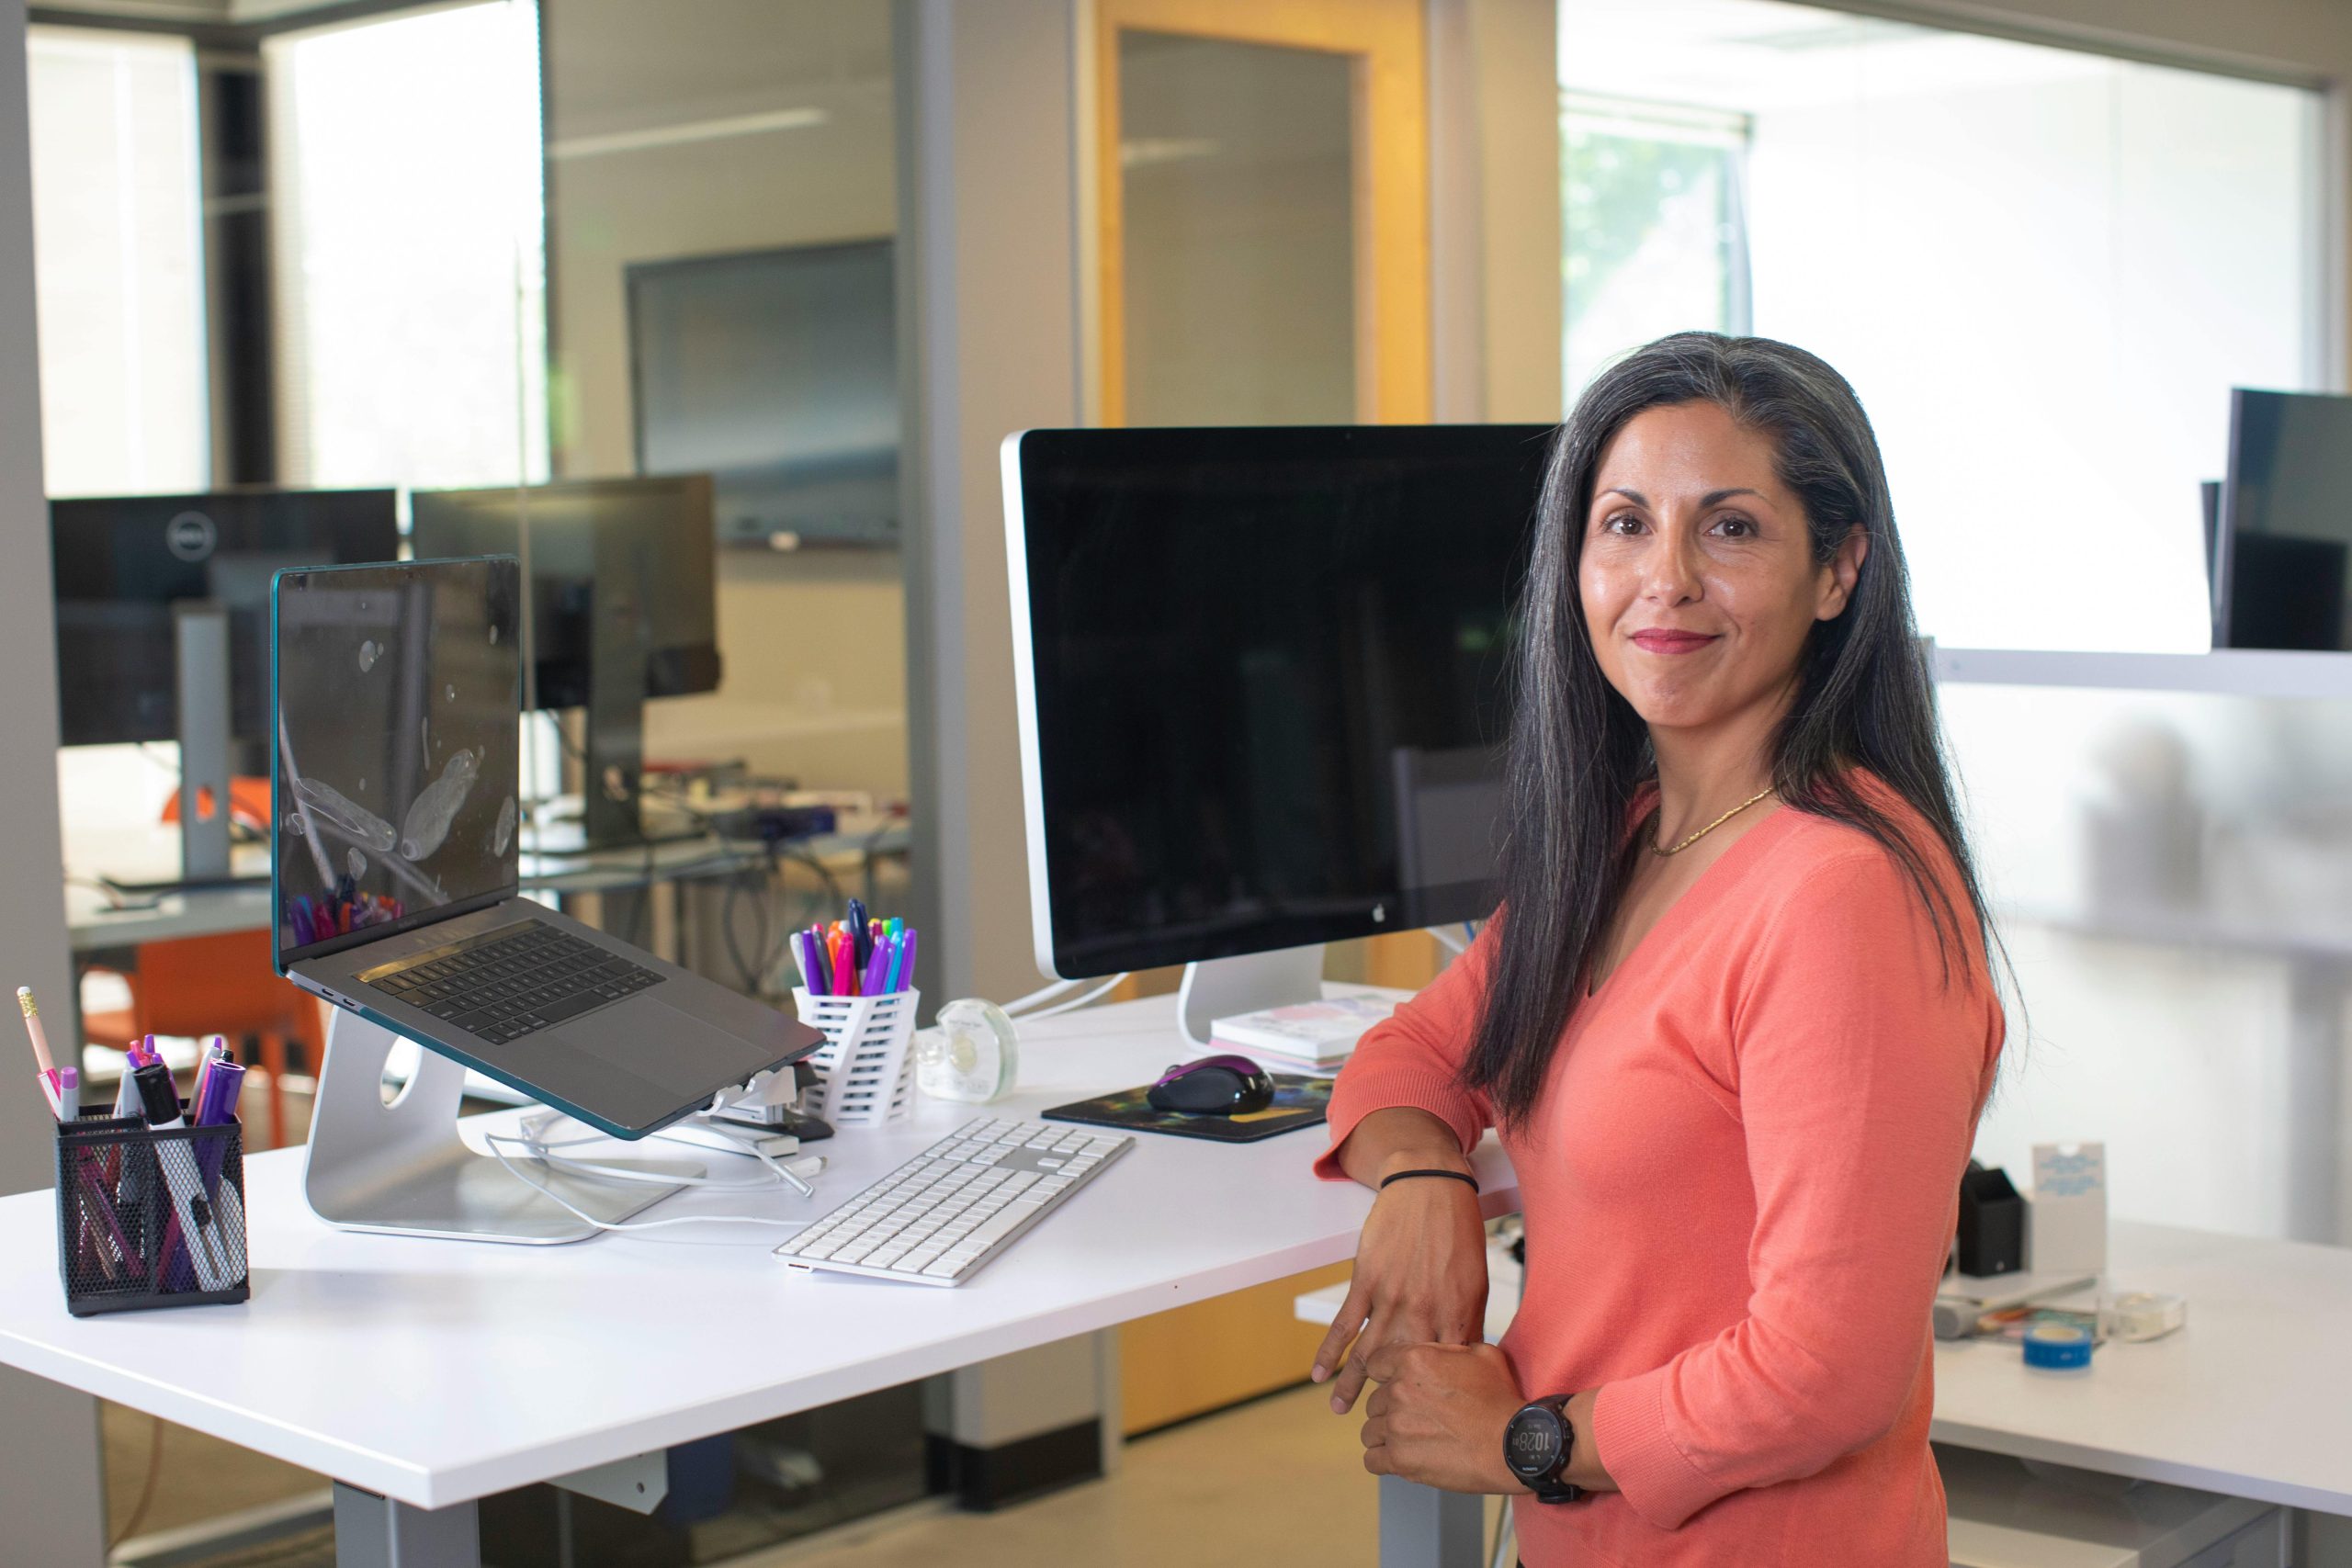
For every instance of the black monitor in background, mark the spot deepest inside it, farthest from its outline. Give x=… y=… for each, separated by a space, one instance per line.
x=623 y=606
x=2284 y=564
x=120 y=562
x=1263 y=677
x=776 y=372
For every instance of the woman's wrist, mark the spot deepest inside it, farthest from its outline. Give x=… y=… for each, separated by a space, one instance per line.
x=1585 y=1468
x=1446 y=1157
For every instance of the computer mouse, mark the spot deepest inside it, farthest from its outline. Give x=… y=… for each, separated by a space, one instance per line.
x=1214 y=1086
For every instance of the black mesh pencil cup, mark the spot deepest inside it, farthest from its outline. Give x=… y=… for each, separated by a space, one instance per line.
x=149 y=1217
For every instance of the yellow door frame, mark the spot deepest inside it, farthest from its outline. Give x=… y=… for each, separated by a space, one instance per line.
x=1386 y=42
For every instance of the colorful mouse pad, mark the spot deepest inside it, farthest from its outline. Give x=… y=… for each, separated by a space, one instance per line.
x=1298 y=1102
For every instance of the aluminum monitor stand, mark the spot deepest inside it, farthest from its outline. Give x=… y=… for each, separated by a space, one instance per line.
x=401 y=1167
x=1220 y=988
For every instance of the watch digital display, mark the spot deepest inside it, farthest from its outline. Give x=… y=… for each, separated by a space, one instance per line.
x=1533 y=1441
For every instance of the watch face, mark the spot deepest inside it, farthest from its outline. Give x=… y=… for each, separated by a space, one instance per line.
x=1531 y=1441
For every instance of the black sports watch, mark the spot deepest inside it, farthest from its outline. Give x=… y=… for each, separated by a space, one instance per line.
x=1537 y=1446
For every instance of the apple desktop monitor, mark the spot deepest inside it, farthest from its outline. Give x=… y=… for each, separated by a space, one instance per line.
x=1263 y=685
x=2284 y=540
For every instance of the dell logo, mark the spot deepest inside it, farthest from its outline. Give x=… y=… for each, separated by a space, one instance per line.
x=191 y=536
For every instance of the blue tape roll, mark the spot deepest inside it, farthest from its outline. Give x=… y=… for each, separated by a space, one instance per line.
x=2057 y=1345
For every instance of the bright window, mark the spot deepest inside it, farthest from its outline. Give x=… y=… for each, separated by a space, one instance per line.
x=1651 y=196
x=411 y=269
x=117 y=263
x=2041 y=270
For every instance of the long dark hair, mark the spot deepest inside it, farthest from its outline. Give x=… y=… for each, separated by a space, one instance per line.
x=1580 y=753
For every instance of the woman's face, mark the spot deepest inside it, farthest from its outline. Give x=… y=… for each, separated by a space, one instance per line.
x=1697 y=574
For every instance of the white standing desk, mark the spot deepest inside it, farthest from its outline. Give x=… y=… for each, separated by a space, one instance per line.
x=422 y=1375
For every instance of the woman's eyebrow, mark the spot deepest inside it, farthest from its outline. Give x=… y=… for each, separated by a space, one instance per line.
x=1637 y=497
x=1717 y=497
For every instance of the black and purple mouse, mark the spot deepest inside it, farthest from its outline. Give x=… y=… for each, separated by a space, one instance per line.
x=1214 y=1086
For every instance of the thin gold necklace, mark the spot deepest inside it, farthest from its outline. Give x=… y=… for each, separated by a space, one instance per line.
x=1710 y=827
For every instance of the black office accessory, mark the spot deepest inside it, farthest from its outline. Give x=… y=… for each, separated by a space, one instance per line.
x=1262 y=680
x=1395 y=1176
x=1298 y=1102
x=2284 y=558
x=1991 y=1223
x=395 y=862
x=1222 y=1085
x=623 y=609
x=149 y=1217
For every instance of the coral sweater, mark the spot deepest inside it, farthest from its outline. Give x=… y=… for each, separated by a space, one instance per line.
x=1739 y=1184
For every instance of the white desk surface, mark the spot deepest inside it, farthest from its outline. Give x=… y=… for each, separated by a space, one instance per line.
x=432 y=1373
x=2247 y=1400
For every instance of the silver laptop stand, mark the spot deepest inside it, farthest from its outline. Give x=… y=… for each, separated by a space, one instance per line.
x=400 y=1167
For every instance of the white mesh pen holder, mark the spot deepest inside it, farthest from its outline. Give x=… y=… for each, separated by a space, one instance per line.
x=867 y=1058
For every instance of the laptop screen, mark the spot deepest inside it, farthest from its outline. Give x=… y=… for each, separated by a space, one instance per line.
x=398 y=736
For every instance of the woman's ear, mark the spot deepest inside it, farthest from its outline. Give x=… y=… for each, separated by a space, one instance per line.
x=1838 y=577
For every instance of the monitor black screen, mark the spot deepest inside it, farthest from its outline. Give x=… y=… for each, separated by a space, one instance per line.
x=2286 y=534
x=647 y=540
x=119 y=563
x=1268 y=671
x=397 y=760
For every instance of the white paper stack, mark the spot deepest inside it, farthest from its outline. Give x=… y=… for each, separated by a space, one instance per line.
x=1304 y=1037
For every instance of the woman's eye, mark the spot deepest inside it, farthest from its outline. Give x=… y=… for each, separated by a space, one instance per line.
x=1622 y=523
x=1736 y=528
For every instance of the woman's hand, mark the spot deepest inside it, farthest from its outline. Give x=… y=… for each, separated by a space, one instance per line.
x=1421 y=1273
x=1438 y=1415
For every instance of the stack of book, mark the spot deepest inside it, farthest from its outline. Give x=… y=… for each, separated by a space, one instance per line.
x=1304 y=1037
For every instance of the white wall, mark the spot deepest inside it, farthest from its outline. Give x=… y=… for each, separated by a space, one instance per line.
x=813 y=642
x=48 y=1435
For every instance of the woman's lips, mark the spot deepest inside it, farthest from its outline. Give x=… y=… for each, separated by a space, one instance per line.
x=1671 y=642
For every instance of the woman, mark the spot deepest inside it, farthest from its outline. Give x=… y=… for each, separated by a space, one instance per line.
x=1734 y=1019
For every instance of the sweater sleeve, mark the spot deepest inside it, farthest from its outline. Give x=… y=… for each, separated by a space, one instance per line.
x=1861 y=1068
x=1411 y=1059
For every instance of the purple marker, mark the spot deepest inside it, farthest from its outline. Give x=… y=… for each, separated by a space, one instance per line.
x=811 y=965
x=907 y=973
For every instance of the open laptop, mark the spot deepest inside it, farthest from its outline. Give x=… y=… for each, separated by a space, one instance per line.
x=394 y=793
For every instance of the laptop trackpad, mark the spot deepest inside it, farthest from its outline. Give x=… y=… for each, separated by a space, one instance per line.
x=666 y=1047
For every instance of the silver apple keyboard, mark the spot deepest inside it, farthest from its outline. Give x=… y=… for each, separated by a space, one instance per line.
x=947 y=1213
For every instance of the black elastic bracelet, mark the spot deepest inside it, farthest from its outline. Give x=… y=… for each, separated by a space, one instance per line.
x=1449 y=1174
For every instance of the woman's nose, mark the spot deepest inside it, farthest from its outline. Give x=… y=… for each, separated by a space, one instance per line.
x=1670 y=575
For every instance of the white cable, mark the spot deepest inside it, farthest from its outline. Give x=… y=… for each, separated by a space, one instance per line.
x=558 y=1198
x=1095 y=995
x=1042 y=993
x=533 y=1144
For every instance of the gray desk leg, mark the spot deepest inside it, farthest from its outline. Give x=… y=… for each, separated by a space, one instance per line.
x=1421 y=1527
x=376 y=1532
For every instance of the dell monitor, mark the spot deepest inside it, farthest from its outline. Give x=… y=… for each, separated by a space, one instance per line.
x=623 y=602
x=2284 y=560
x=1263 y=682
x=121 y=563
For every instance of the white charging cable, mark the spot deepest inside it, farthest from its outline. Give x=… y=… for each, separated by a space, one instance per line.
x=1039 y=997
x=1097 y=994
x=533 y=1146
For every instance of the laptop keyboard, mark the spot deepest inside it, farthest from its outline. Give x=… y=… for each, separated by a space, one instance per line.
x=514 y=981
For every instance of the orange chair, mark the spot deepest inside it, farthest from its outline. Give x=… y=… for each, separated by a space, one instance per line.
x=201 y=986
